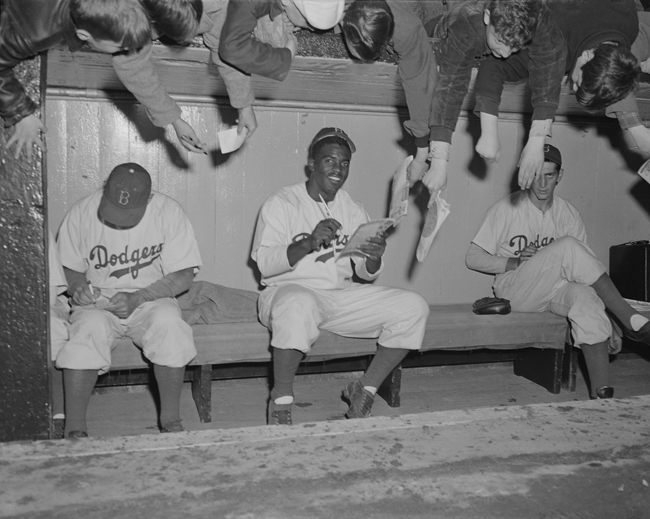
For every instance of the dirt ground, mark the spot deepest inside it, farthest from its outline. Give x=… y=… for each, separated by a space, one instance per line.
x=589 y=459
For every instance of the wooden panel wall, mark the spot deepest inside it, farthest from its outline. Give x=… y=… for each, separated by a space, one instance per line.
x=222 y=194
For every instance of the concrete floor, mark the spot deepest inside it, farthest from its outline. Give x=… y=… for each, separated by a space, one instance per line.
x=242 y=403
x=468 y=442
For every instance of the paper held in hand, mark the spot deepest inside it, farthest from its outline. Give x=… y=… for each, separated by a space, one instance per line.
x=437 y=211
x=644 y=171
x=365 y=231
x=230 y=140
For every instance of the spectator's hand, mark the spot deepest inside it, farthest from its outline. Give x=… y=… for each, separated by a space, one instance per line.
x=123 y=304
x=247 y=120
x=436 y=178
x=527 y=253
x=489 y=147
x=416 y=169
x=27 y=133
x=85 y=295
x=187 y=137
x=374 y=247
x=645 y=66
x=531 y=161
x=641 y=135
x=292 y=45
x=324 y=233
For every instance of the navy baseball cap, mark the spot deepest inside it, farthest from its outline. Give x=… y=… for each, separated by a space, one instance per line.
x=552 y=154
x=332 y=132
x=126 y=194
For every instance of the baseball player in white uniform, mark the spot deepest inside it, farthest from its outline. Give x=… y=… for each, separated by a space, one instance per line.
x=535 y=243
x=127 y=252
x=59 y=313
x=300 y=231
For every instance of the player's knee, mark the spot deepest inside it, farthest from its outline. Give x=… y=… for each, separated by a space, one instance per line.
x=417 y=306
x=293 y=301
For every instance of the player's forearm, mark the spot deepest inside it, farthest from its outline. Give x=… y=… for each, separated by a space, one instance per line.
x=482 y=261
x=171 y=285
x=298 y=250
x=74 y=279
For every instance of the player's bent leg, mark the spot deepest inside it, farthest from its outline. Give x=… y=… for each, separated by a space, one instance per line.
x=591 y=330
x=397 y=317
x=91 y=336
x=293 y=314
x=597 y=361
x=166 y=340
x=78 y=385
x=285 y=366
x=170 y=384
x=158 y=328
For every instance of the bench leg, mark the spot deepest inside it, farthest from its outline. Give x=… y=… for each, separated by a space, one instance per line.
x=390 y=388
x=542 y=366
x=569 y=368
x=202 y=391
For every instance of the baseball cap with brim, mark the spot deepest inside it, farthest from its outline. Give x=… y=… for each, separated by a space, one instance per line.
x=321 y=14
x=332 y=132
x=552 y=154
x=126 y=194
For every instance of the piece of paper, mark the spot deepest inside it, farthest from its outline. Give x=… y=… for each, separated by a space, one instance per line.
x=365 y=231
x=230 y=140
x=644 y=171
x=437 y=212
x=400 y=197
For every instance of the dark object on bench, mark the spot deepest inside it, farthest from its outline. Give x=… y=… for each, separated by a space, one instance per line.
x=491 y=305
x=539 y=339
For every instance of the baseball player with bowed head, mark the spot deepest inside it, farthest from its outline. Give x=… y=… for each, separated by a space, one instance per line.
x=127 y=251
x=300 y=230
x=535 y=243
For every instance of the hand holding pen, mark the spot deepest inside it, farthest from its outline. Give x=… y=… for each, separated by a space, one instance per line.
x=326 y=230
x=85 y=294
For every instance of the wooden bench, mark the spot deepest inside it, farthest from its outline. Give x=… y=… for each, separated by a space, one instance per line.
x=539 y=339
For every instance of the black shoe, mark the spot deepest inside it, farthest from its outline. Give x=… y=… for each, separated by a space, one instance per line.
x=278 y=414
x=360 y=400
x=604 y=392
x=172 y=427
x=76 y=435
x=59 y=426
x=642 y=335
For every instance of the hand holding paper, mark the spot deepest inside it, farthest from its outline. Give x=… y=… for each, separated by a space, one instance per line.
x=367 y=230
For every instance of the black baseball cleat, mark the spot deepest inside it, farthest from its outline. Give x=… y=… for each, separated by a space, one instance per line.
x=604 y=392
x=642 y=335
x=360 y=400
x=172 y=427
x=76 y=435
x=278 y=414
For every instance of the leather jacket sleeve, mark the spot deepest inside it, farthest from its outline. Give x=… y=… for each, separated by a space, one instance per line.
x=14 y=102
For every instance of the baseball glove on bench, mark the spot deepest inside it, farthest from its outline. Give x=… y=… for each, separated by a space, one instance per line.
x=491 y=305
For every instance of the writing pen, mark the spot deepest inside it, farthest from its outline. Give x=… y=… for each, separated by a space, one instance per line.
x=328 y=214
x=92 y=291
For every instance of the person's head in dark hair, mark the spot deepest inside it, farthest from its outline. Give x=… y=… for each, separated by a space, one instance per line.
x=510 y=24
x=368 y=26
x=176 y=19
x=604 y=75
x=330 y=136
x=111 y=26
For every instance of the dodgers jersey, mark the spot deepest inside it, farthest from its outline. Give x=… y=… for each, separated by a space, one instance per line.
x=127 y=260
x=514 y=222
x=290 y=215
